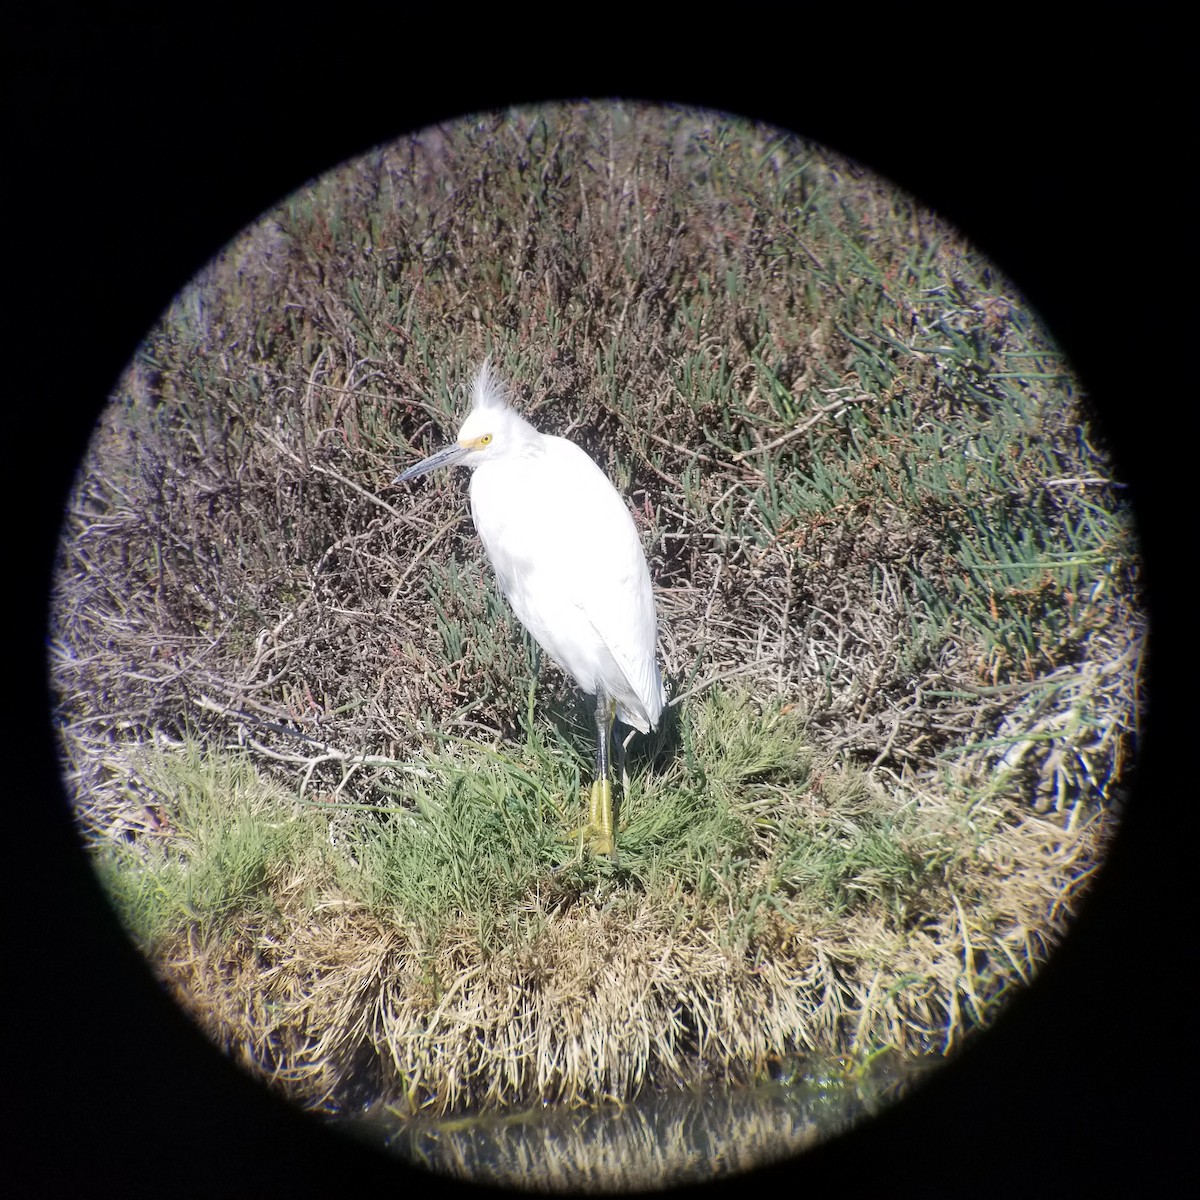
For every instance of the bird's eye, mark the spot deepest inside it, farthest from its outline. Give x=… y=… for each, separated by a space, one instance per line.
x=487 y=437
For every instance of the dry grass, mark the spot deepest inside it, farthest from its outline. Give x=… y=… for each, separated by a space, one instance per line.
x=898 y=594
x=671 y=973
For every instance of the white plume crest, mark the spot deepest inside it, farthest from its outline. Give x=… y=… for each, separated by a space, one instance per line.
x=490 y=390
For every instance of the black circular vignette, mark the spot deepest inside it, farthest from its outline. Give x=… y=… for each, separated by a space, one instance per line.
x=135 y=150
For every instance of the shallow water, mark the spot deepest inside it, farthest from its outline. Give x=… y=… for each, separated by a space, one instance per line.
x=662 y=1139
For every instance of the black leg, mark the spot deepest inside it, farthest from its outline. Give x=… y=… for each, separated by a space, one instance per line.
x=600 y=814
x=604 y=722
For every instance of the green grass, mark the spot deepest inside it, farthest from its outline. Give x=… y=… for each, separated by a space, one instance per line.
x=734 y=817
x=227 y=844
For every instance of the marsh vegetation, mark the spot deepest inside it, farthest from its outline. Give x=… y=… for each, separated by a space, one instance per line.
x=326 y=778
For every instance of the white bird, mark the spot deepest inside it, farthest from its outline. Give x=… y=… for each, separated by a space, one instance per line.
x=569 y=560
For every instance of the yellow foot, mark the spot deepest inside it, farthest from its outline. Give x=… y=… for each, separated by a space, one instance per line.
x=598 y=832
x=596 y=840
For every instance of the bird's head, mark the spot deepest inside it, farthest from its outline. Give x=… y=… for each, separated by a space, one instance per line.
x=491 y=431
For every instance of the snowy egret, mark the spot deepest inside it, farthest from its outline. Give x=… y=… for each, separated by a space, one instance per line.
x=569 y=561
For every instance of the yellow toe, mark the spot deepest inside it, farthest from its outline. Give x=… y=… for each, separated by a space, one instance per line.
x=598 y=831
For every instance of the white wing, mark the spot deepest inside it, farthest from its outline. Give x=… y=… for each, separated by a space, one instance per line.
x=569 y=560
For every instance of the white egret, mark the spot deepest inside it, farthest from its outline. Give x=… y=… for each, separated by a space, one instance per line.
x=569 y=560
